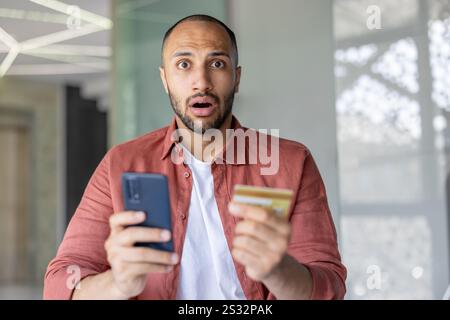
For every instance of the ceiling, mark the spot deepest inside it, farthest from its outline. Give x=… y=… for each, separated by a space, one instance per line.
x=64 y=41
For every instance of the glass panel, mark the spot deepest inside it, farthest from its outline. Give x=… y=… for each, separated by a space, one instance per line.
x=392 y=90
x=379 y=125
x=409 y=243
x=352 y=15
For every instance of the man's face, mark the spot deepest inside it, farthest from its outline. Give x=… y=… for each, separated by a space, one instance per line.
x=199 y=74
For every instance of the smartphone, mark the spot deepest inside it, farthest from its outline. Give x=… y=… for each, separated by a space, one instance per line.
x=149 y=193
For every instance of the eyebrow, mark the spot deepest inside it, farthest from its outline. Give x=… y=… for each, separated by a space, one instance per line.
x=189 y=54
x=181 y=54
x=218 y=54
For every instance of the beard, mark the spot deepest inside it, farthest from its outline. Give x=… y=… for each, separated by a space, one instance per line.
x=199 y=126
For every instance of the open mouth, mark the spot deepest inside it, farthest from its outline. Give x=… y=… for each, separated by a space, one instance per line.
x=201 y=105
x=203 y=109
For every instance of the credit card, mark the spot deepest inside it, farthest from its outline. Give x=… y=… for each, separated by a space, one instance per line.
x=275 y=199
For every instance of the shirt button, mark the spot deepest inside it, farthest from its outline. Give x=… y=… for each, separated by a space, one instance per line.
x=186 y=174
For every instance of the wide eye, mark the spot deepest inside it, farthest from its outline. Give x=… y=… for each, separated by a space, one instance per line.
x=217 y=64
x=183 y=64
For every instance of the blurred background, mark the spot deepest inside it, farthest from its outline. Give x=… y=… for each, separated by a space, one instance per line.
x=365 y=84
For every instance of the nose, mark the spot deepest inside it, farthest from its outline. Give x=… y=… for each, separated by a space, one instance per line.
x=202 y=80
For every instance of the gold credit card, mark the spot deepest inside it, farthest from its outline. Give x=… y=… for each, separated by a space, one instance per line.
x=277 y=200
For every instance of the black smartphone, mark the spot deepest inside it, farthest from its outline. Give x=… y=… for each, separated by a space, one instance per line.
x=149 y=193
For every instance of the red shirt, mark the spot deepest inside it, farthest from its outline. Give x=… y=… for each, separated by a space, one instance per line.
x=313 y=241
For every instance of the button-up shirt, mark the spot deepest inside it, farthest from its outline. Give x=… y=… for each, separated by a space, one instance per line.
x=313 y=241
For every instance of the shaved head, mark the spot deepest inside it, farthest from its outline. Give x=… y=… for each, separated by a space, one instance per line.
x=203 y=18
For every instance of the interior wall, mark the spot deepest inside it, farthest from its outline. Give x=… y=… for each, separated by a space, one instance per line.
x=43 y=103
x=286 y=53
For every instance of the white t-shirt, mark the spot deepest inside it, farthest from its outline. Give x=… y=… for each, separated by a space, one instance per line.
x=207 y=270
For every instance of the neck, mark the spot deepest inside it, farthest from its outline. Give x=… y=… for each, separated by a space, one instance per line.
x=204 y=146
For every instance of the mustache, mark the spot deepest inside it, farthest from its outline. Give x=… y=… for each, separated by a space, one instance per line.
x=202 y=95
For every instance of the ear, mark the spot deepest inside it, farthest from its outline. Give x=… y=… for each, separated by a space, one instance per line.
x=162 y=74
x=238 y=79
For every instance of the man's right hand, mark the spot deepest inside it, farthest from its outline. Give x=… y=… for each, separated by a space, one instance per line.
x=130 y=265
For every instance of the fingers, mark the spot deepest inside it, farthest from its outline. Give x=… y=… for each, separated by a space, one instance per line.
x=261 y=240
x=148 y=255
x=260 y=215
x=257 y=230
x=250 y=244
x=120 y=220
x=130 y=262
x=130 y=236
x=245 y=257
x=130 y=265
x=251 y=262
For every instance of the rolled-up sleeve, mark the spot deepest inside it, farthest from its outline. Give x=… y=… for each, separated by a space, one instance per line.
x=82 y=252
x=314 y=241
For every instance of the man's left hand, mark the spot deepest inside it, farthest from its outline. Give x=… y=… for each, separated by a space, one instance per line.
x=261 y=240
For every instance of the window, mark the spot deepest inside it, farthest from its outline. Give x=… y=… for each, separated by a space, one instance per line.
x=392 y=102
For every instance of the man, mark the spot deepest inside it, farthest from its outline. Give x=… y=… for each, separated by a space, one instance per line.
x=223 y=250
